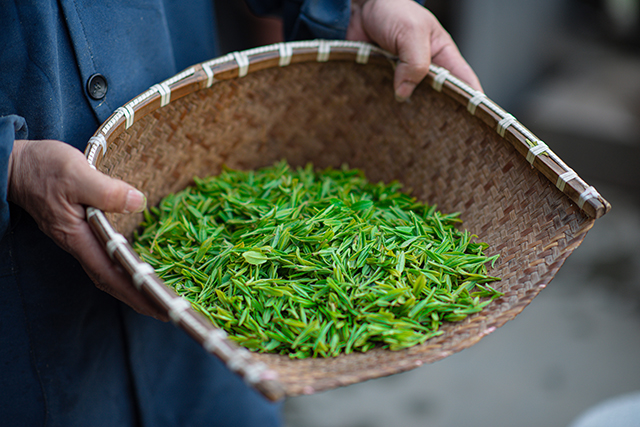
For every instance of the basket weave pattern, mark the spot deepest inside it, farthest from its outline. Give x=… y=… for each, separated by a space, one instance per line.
x=343 y=112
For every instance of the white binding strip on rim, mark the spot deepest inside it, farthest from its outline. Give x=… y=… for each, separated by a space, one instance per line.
x=213 y=340
x=589 y=193
x=100 y=141
x=190 y=321
x=364 y=51
x=117 y=241
x=165 y=93
x=209 y=72
x=475 y=100
x=439 y=79
x=176 y=307
x=324 y=49
x=286 y=52
x=117 y=115
x=536 y=150
x=564 y=178
x=503 y=124
x=142 y=270
x=261 y=49
x=253 y=373
x=239 y=362
x=91 y=212
x=181 y=76
x=461 y=85
x=128 y=114
x=215 y=62
x=243 y=63
x=95 y=143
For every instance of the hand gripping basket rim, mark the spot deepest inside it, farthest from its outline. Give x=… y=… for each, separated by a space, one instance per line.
x=237 y=65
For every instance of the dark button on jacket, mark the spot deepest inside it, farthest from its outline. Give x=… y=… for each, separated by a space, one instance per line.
x=97 y=86
x=71 y=354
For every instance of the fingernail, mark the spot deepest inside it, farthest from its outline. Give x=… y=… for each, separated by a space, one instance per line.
x=401 y=98
x=136 y=202
x=404 y=91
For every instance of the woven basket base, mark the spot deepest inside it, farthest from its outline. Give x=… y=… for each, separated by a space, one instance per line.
x=336 y=113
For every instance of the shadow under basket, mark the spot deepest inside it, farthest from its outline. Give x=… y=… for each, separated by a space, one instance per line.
x=332 y=103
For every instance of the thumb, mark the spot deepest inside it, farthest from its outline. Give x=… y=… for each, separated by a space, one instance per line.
x=412 y=67
x=406 y=78
x=109 y=194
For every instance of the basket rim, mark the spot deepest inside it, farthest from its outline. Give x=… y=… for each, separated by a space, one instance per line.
x=237 y=65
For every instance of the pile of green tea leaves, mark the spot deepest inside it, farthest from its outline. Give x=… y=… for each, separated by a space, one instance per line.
x=315 y=263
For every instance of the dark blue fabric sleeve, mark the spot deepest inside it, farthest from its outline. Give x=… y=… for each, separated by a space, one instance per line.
x=308 y=19
x=11 y=128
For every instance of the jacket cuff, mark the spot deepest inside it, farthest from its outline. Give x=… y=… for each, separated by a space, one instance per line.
x=11 y=128
x=308 y=19
x=325 y=19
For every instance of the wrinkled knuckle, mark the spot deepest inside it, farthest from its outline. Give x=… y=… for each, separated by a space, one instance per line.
x=416 y=70
x=408 y=30
x=69 y=164
x=421 y=68
x=67 y=171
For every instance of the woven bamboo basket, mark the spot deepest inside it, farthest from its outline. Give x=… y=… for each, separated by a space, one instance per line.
x=330 y=103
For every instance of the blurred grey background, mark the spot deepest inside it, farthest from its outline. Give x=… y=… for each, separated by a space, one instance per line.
x=569 y=70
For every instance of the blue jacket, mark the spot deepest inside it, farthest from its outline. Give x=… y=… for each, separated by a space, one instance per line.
x=70 y=354
x=51 y=49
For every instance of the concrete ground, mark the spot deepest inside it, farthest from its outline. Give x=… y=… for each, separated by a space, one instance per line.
x=578 y=343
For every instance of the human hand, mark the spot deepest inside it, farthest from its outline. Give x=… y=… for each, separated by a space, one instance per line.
x=53 y=182
x=408 y=30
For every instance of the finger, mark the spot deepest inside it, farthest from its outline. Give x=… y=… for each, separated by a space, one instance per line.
x=414 y=63
x=108 y=194
x=446 y=54
x=108 y=277
x=51 y=181
x=355 y=30
x=413 y=66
